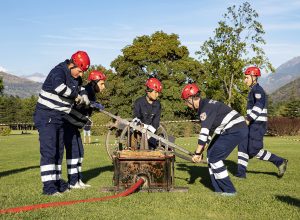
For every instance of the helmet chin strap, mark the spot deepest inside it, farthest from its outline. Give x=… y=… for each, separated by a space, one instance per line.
x=150 y=99
x=94 y=84
x=192 y=103
x=74 y=65
x=253 y=81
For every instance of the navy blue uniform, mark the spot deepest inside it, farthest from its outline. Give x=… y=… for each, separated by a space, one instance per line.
x=75 y=120
x=149 y=114
x=229 y=129
x=253 y=145
x=55 y=100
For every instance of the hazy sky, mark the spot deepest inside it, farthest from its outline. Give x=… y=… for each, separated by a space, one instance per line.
x=38 y=34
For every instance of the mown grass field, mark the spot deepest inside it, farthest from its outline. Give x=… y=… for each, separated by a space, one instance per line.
x=261 y=196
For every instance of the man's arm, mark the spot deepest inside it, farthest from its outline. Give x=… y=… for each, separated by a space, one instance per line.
x=260 y=99
x=61 y=88
x=155 y=121
x=198 y=154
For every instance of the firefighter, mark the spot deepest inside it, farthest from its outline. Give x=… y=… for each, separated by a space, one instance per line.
x=56 y=98
x=147 y=109
x=75 y=120
x=228 y=129
x=257 y=121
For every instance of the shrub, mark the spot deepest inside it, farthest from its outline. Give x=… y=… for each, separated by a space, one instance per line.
x=283 y=126
x=4 y=130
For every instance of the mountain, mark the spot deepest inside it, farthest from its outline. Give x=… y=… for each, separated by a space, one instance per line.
x=287 y=92
x=284 y=74
x=18 y=86
x=36 y=77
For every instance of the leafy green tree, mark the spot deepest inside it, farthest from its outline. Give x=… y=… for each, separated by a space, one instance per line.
x=27 y=109
x=160 y=54
x=16 y=110
x=9 y=108
x=236 y=44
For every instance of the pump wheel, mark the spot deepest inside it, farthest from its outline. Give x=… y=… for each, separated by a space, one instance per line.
x=117 y=139
x=135 y=140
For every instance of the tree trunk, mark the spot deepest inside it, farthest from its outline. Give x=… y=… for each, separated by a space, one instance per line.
x=230 y=91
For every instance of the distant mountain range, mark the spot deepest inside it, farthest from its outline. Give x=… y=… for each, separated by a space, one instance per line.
x=18 y=86
x=36 y=77
x=287 y=92
x=284 y=74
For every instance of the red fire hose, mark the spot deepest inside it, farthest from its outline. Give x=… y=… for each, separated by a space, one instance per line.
x=127 y=192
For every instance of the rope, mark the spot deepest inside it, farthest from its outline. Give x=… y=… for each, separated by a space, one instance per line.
x=162 y=122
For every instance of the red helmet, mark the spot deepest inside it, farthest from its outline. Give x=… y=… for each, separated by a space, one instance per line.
x=253 y=70
x=81 y=59
x=154 y=84
x=189 y=90
x=96 y=75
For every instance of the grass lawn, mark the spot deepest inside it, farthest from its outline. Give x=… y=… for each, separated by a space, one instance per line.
x=261 y=196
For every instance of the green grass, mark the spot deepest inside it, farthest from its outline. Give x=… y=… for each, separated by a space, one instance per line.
x=261 y=196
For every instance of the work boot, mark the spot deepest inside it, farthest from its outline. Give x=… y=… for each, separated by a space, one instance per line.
x=240 y=176
x=83 y=185
x=282 y=168
x=76 y=186
x=58 y=194
x=62 y=185
x=228 y=194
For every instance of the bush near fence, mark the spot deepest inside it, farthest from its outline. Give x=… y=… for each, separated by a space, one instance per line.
x=283 y=126
x=4 y=130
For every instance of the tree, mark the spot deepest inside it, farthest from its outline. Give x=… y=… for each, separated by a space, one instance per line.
x=1 y=86
x=235 y=45
x=16 y=110
x=28 y=108
x=292 y=109
x=159 y=54
x=271 y=107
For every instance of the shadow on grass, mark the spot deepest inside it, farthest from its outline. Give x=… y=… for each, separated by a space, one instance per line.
x=92 y=173
x=260 y=172
x=27 y=133
x=196 y=172
x=289 y=200
x=92 y=142
x=10 y=172
x=232 y=168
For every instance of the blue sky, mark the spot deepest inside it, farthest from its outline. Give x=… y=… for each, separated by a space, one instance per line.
x=38 y=34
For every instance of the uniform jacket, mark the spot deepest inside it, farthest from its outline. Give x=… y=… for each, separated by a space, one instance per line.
x=216 y=117
x=149 y=114
x=257 y=105
x=57 y=94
